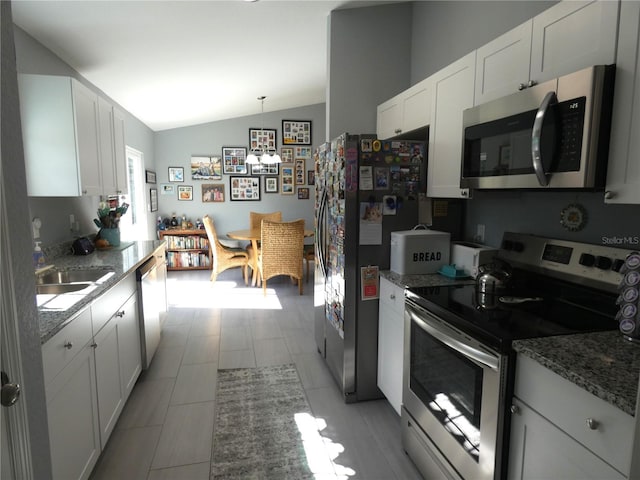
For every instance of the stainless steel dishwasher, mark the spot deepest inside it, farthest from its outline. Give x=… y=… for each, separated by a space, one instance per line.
x=152 y=304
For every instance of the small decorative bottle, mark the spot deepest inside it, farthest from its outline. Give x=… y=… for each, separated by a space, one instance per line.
x=174 y=220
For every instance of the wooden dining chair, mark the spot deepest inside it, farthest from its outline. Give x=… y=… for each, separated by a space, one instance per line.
x=223 y=257
x=255 y=220
x=281 y=251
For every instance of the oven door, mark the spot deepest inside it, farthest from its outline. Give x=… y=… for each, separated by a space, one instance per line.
x=454 y=388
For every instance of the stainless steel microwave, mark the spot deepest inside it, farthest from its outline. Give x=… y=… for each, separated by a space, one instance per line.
x=551 y=135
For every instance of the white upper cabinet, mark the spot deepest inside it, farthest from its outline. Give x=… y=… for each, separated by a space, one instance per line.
x=406 y=111
x=567 y=37
x=120 y=155
x=573 y=35
x=453 y=89
x=502 y=65
x=623 y=175
x=71 y=137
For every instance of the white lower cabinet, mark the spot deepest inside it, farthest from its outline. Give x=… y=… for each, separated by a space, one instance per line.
x=539 y=449
x=90 y=368
x=72 y=411
x=390 y=342
x=559 y=430
x=110 y=396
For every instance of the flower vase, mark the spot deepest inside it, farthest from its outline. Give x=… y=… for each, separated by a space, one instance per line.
x=111 y=235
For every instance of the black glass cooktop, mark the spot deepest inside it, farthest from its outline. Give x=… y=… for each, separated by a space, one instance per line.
x=531 y=309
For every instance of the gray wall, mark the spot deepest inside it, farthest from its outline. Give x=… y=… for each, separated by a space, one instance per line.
x=33 y=57
x=369 y=54
x=444 y=32
x=176 y=146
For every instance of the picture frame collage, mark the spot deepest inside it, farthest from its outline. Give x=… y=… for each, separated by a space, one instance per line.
x=246 y=182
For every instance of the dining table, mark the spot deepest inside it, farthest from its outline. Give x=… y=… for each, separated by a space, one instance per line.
x=253 y=235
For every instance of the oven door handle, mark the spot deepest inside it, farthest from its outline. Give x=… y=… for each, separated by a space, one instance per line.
x=484 y=358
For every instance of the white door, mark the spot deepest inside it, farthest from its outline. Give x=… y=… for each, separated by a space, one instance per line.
x=24 y=440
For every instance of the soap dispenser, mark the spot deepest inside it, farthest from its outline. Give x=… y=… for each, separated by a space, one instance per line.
x=38 y=256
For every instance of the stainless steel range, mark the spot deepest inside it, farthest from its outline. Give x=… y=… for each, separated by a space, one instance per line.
x=459 y=364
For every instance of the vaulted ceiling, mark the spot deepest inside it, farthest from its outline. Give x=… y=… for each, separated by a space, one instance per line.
x=179 y=63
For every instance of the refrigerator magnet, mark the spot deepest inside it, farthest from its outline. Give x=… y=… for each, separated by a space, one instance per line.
x=369 y=281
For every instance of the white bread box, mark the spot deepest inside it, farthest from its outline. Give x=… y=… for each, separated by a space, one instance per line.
x=419 y=251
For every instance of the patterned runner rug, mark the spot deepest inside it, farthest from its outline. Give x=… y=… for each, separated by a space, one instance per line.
x=255 y=432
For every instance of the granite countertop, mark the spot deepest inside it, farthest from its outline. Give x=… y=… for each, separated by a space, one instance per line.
x=603 y=363
x=122 y=260
x=425 y=280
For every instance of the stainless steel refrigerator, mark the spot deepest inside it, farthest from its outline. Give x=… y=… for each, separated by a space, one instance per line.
x=365 y=189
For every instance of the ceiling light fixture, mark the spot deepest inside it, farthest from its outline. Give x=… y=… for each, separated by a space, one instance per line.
x=262 y=153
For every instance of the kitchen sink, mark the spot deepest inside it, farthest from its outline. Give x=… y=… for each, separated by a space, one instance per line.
x=63 y=277
x=56 y=289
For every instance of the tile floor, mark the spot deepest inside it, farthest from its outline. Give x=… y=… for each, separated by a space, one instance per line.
x=166 y=428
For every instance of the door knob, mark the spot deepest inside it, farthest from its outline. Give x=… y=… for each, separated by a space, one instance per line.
x=10 y=391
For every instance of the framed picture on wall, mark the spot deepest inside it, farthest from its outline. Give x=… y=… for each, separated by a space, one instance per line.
x=286 y=154
x=244 y=188
x=212 y=192
x=270 y=184
x=300 y=171
x=206 y=168
x=234 y=160
x=153 y=199
x=167 y=189
x=302 y=152
x=185 y=192
x=286 y=180
x=296 y=132
x=311 y=177
x=265 y=169
x=149 y=176
x=176 y=174
x=303 y=193
x=265 y=137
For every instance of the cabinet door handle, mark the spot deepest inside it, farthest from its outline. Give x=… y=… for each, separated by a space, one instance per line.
x=522 y=86
x=120 y=314
x=94 y=345
x=515 y=409
x=592 y=423
x=397 y=130
x=392 y=296
x=68 y=345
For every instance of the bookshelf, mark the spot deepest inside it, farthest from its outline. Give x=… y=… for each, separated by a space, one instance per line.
x=187 y=249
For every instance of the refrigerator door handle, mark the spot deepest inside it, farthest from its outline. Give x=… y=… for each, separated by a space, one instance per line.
x=319 y=240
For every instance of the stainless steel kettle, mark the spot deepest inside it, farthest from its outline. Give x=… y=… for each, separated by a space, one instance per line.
x=493 y=278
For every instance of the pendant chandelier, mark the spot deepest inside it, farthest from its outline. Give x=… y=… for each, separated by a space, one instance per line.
x=262 y=153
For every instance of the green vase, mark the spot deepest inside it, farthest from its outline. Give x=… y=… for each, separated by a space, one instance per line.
x=111 y=235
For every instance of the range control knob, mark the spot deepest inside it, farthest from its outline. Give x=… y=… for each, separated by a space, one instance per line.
x=617 y=264
x=587 y=260
x=603 y=263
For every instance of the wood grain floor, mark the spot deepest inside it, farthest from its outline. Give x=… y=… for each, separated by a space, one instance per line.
x=166 y=429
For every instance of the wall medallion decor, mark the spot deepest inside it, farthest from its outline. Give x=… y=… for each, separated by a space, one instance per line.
x=573 y=217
